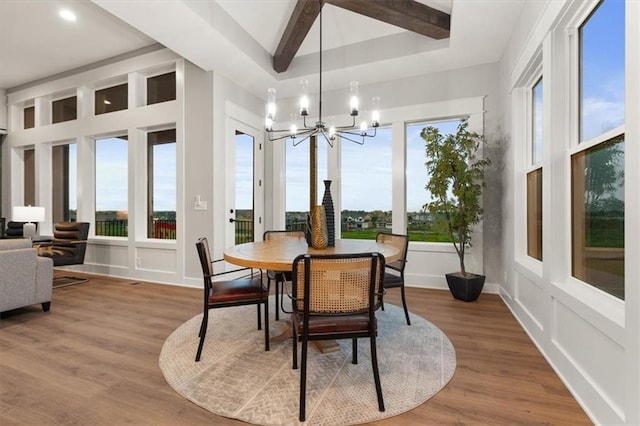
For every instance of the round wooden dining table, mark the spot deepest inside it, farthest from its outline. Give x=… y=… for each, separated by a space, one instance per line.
x=279 y=254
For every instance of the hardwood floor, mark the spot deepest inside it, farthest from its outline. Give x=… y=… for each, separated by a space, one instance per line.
x=93 y=360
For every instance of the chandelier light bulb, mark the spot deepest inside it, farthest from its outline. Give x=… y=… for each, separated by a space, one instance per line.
x=304 y=105
x=332 y=132
x=363 y=127
x=353 y=103
x=304 y=97
x=271 y=103
x=268 y=124
x=375 y=111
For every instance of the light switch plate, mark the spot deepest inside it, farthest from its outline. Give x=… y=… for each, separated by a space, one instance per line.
x=202 y=205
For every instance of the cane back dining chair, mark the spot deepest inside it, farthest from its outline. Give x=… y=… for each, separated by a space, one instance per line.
x=394 y=273
x=335 y=297
x=248 y=290
x=279 y=277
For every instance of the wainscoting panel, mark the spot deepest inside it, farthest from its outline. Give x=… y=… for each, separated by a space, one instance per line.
x=585 y=347
x=155 y=259
x=109 y=255
x=530 y=297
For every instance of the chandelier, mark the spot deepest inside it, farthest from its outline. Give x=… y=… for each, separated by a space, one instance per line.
x=352 y=132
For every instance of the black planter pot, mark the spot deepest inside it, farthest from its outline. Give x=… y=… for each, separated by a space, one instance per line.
x=465 y=288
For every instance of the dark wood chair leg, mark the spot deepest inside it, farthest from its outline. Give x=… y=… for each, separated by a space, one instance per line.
x=354 y=351
x=46 y=306
x=266 y=325
x=404 y=304
x=294 y=342
x=376 y=373
x=303 y=379
x=259 y=316
x=278 y=286
x=203 y=333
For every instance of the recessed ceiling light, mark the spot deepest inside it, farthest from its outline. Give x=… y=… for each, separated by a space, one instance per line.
x=67 y=15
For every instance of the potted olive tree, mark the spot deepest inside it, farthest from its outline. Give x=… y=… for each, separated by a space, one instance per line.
x=456 y=182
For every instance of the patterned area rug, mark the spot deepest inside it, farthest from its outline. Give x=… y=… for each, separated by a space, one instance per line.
x=236 y=378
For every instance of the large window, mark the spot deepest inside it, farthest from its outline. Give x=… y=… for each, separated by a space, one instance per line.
x=597 y=165
x=111 y=99
x=297 y=180
x=111 y=178
x=63 y=183
x=161 y=181
x=64 y=109
x=534 y=177
x=419 y=223
x=366 y=188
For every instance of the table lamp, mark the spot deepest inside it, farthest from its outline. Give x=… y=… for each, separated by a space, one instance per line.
x=28 y=214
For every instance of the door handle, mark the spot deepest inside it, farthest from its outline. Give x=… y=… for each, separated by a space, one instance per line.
x=231 y=220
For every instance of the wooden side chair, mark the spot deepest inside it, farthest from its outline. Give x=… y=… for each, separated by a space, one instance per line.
x=248 y=290
x=280 y=277
x=394 y=273
x=335 y=297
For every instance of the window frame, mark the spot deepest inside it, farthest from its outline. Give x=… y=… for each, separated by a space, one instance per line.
x=130 y=216
x=608 y=302
x=398 y=118
x=531 y=165
x=149 y=177
x=56 y=101
x=116 y=82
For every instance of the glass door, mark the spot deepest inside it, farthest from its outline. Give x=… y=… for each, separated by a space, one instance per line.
x=245 y=205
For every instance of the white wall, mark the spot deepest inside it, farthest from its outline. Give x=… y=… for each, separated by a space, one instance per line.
x=591 y=339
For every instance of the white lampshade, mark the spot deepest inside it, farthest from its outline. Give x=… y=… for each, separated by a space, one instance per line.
x=28 y=214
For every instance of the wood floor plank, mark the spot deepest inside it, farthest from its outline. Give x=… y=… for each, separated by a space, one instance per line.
x=93 y=360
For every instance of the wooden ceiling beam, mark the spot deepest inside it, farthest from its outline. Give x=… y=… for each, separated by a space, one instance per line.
x=303 y=16
x=407 y=14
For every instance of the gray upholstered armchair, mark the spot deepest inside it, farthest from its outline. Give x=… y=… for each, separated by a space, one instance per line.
x=26 y=278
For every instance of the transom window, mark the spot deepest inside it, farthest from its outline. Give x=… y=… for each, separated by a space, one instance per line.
x=111 y=99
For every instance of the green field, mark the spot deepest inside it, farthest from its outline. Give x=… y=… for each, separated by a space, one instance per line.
x=422 y=236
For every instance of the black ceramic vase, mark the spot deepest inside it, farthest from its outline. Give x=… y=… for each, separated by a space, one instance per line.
x=327 y=202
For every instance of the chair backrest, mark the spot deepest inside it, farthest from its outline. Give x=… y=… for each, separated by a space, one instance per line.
x=399 y=241
x=276 y=235
x=72 y=238
x=14 y=229
x=202 y=245
x=337 y=284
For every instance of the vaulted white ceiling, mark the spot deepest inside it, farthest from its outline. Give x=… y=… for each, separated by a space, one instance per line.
x=237 y=38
